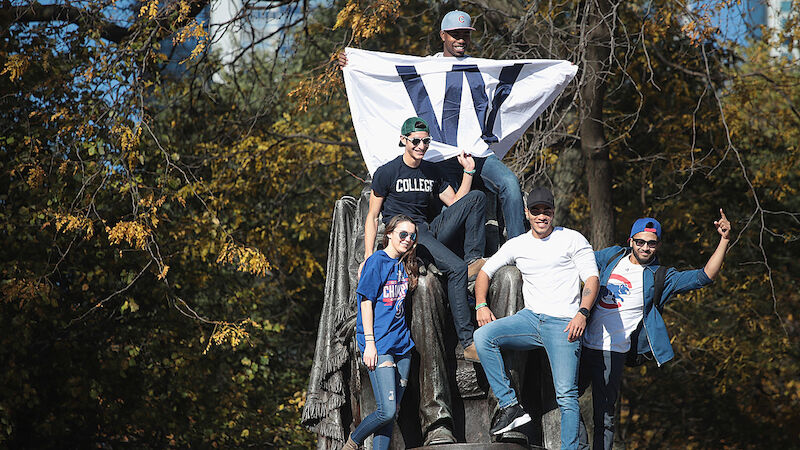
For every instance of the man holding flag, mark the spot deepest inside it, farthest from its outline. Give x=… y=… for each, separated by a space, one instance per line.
x=493 y=175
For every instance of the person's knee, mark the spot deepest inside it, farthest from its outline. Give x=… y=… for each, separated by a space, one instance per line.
x=567 y=388
x=480 y=338
x=386 y=412
x=511 y=193
x=454 y=267
x=567 y=396
x=476 y=196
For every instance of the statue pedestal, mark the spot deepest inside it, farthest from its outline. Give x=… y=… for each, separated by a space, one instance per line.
x=472 y=409
x=494 y=446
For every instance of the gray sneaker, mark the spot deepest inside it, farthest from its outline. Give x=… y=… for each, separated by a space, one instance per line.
x=509 y=418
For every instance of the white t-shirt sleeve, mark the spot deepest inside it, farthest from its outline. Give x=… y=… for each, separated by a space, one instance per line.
x=583 y=257
x=503 y=257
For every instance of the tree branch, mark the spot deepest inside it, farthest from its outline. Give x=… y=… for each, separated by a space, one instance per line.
x=36 y=12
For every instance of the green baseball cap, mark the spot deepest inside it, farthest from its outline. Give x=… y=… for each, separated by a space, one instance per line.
x=413 y=124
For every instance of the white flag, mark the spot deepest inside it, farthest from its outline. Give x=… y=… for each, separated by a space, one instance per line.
x=471 y=104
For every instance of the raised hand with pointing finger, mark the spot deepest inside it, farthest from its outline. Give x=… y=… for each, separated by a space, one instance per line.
x=723 y=225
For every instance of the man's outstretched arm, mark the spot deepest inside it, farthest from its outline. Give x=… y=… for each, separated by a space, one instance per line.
x=715 y=261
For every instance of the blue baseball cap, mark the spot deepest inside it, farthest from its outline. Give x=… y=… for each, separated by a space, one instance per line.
x=457 y=20
x=646 y=224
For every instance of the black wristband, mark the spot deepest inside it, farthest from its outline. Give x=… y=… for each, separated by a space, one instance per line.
x=585 y=312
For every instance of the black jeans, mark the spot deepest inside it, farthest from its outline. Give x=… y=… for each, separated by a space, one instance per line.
x=442 y=235
x=603 y=369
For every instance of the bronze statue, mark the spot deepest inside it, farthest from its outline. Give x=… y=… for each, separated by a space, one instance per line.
x=452 y=396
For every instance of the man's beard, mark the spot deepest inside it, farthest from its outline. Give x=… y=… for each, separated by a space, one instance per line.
x=644 y=262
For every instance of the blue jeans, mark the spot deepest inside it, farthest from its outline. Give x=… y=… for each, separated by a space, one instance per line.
x=444 y=233
x=498 y=179
x=526 y=330
x=389 y=380
x=603 y=369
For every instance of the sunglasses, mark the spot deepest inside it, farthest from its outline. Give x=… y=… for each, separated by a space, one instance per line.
x=641 y=242
x=415 y=142
x=405 y=234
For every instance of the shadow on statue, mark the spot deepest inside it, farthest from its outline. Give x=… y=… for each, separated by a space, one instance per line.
x=447 y=396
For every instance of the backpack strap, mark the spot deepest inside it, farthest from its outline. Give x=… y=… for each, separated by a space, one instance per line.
x=658 y=286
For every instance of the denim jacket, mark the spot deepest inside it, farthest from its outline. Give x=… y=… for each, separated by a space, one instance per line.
x=675 y=282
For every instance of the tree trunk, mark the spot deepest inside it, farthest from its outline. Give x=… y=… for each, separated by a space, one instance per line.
x=567 y=181
x=593 y=141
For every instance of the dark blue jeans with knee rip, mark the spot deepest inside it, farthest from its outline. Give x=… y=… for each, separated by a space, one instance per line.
x=389 y=380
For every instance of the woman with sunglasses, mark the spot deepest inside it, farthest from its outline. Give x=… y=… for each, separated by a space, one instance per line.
x=382 y=332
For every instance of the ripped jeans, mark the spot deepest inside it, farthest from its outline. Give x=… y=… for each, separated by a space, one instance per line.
x=389 y=380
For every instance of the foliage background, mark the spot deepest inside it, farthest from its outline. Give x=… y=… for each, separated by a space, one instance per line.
x=164 y=235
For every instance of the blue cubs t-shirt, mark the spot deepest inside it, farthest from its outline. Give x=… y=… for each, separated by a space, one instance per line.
x=384 y=282
x=407 y=190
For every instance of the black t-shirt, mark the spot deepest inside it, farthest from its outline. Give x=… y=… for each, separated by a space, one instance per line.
x=407 y=190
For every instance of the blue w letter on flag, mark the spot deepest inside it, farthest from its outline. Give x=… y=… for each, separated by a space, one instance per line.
x=448 y=132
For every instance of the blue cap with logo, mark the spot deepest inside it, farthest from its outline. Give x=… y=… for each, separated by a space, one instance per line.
x=646 y=224
x=457 y=20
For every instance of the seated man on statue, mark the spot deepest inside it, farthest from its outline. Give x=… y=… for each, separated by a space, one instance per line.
x=553 y=261
x=406 y=185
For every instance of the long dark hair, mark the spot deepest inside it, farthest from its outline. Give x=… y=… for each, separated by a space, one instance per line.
x=409 y=258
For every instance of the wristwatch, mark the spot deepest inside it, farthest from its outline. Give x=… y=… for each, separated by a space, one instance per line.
x=585 y=312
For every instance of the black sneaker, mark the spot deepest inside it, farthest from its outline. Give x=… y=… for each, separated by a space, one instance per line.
x=509 y=418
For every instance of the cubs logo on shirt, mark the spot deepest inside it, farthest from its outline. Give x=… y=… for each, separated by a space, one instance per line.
x=394 y=292
x=611 y=295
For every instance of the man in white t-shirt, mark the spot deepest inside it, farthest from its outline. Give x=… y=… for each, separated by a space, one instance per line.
x=627 y=314
x=553 y=261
